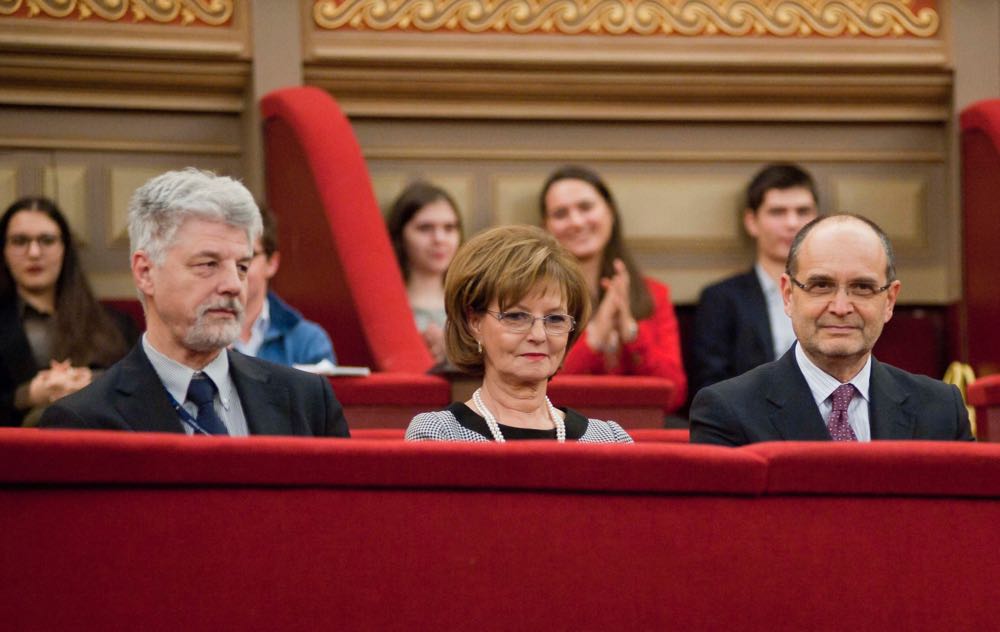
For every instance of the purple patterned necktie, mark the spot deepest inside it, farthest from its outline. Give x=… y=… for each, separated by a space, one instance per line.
x=839 y=429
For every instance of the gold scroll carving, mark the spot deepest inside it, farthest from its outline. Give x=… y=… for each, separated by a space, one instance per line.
x=734 y=18
x=185 y=12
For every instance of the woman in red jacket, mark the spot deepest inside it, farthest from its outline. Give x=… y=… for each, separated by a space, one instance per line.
x=633 y=330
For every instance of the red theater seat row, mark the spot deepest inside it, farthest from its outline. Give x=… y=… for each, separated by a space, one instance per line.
x=119 y=531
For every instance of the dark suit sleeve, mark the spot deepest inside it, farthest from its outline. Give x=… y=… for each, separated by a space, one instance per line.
x=335 y=424
x=58 y=416
x=964 y=430
x=713 y=340
x=714 y=421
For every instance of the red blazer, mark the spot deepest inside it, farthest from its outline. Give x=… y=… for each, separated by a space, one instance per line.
x=655 y=351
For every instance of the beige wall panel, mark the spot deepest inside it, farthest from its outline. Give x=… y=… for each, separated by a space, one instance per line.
x=679 y=208
x=897 y=204
x=117 y=284
x=8 y=186
x=515 y=199
x=122 y=184
x=686 y=285
x=387 y=186
x=923 y=284
x=67 y=185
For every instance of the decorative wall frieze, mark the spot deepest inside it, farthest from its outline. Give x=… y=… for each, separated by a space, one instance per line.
x=728 y=18
x=170 y=12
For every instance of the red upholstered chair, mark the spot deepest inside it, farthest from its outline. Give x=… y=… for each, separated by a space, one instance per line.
x=339 y=269
x=980 y=124
x=337 y=264
x=984 y=394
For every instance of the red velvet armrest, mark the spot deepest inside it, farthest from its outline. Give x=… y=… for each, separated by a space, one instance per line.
x=404 y=389
x=985 y=391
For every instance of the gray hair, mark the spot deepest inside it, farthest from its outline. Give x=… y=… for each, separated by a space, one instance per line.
x=159 y=207
x=792 y=263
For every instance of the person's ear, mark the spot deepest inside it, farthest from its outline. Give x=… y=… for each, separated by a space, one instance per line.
x=786 y=292
x=474 y=320
x=271 y=265
x=750 y=222
x=142 y=272
x=891 y=295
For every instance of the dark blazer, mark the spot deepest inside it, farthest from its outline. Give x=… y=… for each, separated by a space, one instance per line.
x=17 y=364
x=732 y=333
x=773 y=403
x=276 y=400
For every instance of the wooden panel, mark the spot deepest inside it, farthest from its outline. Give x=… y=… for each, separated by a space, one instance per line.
x=898 y=204
x=8 y=186
x=66 y=184
x=123 y=183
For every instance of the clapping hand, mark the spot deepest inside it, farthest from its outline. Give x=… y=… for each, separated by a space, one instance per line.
x=59 y=380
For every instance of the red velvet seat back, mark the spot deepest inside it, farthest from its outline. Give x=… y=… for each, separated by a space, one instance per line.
x=981 y=231
x=337 y=263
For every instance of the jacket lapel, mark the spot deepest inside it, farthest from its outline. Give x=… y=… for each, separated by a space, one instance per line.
x=140 y=397
x=267 y=405
x=794 y=413
x=889 y=411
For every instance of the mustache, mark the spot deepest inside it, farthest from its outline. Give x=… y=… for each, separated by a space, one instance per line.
x=232 y=304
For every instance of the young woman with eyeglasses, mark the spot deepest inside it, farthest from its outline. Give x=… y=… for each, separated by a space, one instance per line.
x=53 y=332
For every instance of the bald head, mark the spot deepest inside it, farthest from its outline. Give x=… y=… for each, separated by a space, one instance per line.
x=848 y=224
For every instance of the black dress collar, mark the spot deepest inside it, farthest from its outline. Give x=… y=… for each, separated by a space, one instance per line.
x=576 y=425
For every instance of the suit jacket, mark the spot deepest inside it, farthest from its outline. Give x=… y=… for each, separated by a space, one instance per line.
x=276 y=400
x=732 y=332
x=773 y=403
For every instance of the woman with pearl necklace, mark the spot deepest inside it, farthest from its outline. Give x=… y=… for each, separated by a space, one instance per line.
x=516 y=301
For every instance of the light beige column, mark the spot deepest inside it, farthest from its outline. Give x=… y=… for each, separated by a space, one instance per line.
x=276 y=32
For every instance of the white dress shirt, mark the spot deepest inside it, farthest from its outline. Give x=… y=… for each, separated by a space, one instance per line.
x=782 y=334
x=822 y=385
x=176 y=377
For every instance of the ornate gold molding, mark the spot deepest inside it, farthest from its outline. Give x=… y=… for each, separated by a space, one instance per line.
x=732 y=18
x=184 y=12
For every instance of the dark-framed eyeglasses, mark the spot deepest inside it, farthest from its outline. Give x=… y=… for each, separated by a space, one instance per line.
x=825 y=288
x=520 y=322
x=45 y=241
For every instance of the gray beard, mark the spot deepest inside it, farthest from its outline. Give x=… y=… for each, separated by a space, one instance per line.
x=204 y=336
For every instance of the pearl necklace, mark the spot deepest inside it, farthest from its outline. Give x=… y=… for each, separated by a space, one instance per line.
x=491 y=421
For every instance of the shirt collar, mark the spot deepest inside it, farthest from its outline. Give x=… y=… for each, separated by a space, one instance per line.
x=176 y=376
x=822 y=384
x=766 y=282
x=264 y=319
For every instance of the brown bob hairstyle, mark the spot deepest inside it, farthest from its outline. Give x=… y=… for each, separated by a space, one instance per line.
x=505 y=264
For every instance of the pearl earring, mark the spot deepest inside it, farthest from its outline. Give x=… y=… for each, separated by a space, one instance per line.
x=479 y=347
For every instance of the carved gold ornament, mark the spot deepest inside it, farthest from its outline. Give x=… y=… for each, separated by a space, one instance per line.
x=735 y=18
x=208 y=12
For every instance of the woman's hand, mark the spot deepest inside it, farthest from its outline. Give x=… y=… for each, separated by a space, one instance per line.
x=59 y=380
x=434 y=339
x=613 y=324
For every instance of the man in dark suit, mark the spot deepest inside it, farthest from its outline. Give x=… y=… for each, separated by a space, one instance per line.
x=740 y=323
x=191 y=234
x=839 y=289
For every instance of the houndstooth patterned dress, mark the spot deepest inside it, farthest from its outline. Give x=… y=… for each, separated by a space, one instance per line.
x=460 y=423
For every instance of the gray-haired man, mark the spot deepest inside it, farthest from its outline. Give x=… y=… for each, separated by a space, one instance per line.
x=191 y=234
